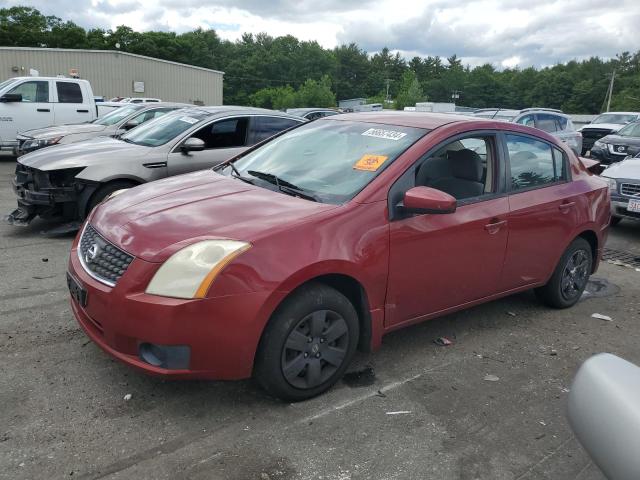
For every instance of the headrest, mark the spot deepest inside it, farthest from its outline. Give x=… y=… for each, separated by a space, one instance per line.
x=466 y=164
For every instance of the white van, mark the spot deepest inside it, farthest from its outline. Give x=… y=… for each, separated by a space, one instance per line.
x=35 y=102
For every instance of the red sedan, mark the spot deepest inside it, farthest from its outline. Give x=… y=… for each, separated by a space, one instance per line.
x=284 y=261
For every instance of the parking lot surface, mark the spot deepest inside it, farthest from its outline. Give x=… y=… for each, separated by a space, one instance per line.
x=490 y=406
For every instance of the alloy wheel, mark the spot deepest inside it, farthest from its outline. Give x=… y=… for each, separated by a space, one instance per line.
x=575 y=275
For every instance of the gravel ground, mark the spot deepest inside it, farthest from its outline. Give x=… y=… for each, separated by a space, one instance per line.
x=412 y=410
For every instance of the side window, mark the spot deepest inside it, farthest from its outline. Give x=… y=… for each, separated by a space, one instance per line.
x=33 y=91
x=528 y=120
x=547 y=123
x=69 y=92
x=227 y=133
x=265 y=127
x=533 y=163
x=463 y=168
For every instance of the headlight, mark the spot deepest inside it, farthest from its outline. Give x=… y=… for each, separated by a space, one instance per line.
x=41 y=142
x=189 y=272
x=613 y=185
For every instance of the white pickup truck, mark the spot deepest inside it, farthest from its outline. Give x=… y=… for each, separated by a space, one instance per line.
x=35 y=102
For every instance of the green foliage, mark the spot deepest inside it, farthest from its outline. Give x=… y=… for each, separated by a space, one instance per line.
x=284 y=72
x=310 y=94
x=410 y=91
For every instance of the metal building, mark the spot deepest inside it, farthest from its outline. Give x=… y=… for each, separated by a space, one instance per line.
x=114 y=73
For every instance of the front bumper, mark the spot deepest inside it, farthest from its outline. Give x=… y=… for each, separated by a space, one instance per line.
x=221 y=334
x=619 y=209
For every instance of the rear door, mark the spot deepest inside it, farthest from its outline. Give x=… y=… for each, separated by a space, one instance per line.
x=264 y=126
x=70 y=105
x=542 y=210
x=34 y=111
x=223 y=139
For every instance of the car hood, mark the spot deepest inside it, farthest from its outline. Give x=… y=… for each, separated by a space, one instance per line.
x=614 y=127
x=63 y=130
x=629 y=169
x=155 y=220
x=618 y=140
x=82 y=154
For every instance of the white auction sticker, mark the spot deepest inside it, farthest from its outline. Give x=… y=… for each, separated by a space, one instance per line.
x=190 y=120
x=382 y=133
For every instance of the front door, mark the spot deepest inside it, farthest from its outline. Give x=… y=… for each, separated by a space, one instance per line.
x=440 y=261
x=223 y=140
x=34 y=111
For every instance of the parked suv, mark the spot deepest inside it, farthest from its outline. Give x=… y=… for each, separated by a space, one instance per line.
x=604 y=125
x=624 y=185
x=616 y=146
x=114 y=123
x=66 y=181
x=548 y=120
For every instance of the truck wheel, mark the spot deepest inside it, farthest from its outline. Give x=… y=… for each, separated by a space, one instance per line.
x=570 y=277
x=105 y=190
x=308 y=343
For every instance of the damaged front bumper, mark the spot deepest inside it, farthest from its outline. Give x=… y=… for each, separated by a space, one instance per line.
x=50 y=195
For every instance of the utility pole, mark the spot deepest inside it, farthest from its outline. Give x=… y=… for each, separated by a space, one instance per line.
x=610 y=90
x=387 y=99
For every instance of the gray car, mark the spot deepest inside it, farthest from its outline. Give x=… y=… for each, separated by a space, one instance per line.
x=624 y=185
x=312 y=113
x=66 y=181
x=114 y=123
x=549 y=120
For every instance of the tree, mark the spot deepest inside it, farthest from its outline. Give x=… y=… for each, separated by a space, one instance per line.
x=410 y=92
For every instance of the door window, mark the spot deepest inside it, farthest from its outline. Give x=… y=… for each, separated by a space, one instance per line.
x=33 y=91
x=265 y=127
x=548 y=123
x=69 y=92
x=464 y=168
x=528 y=120
x=228 y=133
x=533 y=163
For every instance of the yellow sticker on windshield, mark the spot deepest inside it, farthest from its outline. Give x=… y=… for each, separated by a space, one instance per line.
x=370 y=163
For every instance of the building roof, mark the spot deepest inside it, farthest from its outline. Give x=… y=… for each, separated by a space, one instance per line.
x=406 y=119
x=83 y=50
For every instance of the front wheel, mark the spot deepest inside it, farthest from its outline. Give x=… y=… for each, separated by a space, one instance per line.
x=569 y=279
x=308 y=343
x=104 y=191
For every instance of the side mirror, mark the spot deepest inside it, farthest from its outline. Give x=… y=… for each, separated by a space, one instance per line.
x=604 y=413
x=130 y=124
x=428 y=200
x=192 y=144
x=11 y=97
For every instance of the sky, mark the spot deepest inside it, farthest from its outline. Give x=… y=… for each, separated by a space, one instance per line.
x=505 y=33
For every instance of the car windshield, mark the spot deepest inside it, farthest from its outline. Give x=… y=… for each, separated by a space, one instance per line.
x=615 y=118
x=329 y=161
x=631 y=130
x=160 y=130
x=118 y=114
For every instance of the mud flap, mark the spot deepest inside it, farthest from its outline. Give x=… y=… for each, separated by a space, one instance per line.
x=19 y=217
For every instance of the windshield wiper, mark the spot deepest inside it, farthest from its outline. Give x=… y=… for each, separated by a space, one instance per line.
x=235 y=173
x=284 y=186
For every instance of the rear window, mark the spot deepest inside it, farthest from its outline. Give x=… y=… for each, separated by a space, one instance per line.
x=69 y=92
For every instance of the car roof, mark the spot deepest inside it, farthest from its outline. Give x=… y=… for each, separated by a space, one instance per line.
x=234 y=109
x=619 y=113
x=424 y=120
x=307 y=110
x=150 y=105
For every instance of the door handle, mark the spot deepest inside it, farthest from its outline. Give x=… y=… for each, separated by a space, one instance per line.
x=494 y=226
x=82 y=111
x=43 y=109
x=565 y=207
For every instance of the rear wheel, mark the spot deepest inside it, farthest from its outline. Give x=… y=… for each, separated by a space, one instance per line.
x=308 y=343
x=566 y=285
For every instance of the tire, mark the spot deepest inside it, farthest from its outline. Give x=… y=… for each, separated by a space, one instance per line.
x=308 y=343
x=615 y=221
x=569 y=279
x=102 y=192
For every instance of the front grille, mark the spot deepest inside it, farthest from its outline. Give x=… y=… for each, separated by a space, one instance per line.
x=102 y=260
x=630 y=189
